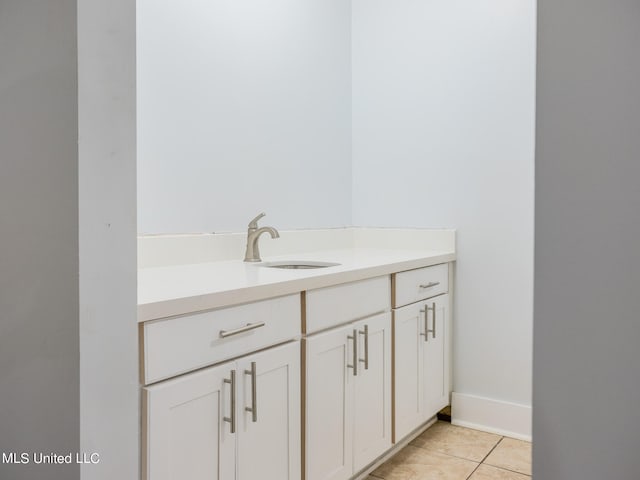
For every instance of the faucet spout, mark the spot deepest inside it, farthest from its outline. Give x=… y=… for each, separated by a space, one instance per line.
x=270 y=230
x=252 y=254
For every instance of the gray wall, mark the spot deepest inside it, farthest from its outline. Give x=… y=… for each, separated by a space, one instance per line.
x=39 y=357
x=586 y=382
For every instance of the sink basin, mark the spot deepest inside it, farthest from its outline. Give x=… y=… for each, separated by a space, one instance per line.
x=298 y=264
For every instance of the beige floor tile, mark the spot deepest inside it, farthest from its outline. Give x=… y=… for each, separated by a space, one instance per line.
x=414 y=463
x=487 y=472
x=457 y=441
x=513 y=455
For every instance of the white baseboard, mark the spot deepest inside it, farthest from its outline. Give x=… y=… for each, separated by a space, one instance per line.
x=504 y=418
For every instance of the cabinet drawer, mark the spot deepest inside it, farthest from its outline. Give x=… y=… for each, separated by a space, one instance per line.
x=415 y=285
x=182 y=344
x=331 y=306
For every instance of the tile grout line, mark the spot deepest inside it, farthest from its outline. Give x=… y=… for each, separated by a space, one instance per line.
x=505 y=469
x=501 y=467
x=433 y=450
x=483 y=461
x=485 y=457
x=474 y=471
x=491 y=451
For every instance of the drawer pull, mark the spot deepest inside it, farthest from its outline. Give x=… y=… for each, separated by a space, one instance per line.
x=430 y=284
x=248 y=327
x=254 y=393
x=232 y=386
x=365 y=332
x=354 y=337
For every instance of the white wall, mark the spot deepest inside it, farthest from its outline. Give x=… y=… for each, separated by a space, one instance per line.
x=443 y=136
x=243 y=107
x=109 y=389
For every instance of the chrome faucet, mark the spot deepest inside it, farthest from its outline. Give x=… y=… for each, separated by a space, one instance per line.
x=253 y=234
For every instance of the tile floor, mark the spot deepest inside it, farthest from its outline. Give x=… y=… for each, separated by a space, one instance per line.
x=448 y=452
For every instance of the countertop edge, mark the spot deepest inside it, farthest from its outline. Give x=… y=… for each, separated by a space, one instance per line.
x=193 y=304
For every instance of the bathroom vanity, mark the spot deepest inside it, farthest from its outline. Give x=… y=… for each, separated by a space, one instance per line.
x=254 y=372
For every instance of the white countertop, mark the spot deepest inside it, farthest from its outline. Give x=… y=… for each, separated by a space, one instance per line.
x=180 y=289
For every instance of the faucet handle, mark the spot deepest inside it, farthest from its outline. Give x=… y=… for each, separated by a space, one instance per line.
x=254 y=223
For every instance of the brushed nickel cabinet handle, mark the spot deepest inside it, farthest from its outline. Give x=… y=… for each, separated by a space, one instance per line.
x=365 y=332
x=232 y=419
x=254 y=393
x=354 y=337
x=426 y=323
x=248 y=327
x=428 y=330
x=430 y=284
x=433 y=307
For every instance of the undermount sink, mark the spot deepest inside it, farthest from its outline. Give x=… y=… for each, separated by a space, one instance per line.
x=298 y=264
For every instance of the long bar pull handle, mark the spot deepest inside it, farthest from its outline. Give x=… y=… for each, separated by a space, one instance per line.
x=432 y=330
x=254 y=393
x=354 y=337
x=365 y=332
x=426 y=323
x=430 y=284
x=433 y=307
x=232 y=419
x=248 y=327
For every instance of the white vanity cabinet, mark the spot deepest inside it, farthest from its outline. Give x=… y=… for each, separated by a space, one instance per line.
x=347 y=386
x=239 y=420
x=182 y=344
x=317 y=384
x=422 y=332
x=268 y=414
x=185 y=432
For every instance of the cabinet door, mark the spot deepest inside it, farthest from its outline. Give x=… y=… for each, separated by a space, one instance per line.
x=409 y=328
x=436 y=394
x=186 y=435
x=329 y=399
x=269 y=438
x=372 y=396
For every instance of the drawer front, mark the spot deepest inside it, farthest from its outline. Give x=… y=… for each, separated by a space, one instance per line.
x=415 y=285
x=182 y=344
x=331 y=306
